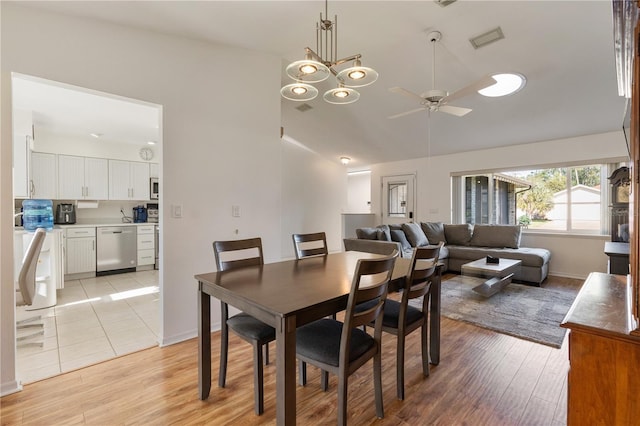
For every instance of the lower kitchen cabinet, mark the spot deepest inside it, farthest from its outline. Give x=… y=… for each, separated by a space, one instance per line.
x=146 y=246
x=81 y=251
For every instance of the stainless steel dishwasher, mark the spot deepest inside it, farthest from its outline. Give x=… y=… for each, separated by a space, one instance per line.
x=116 y=249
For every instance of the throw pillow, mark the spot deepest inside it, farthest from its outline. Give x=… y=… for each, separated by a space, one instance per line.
x=397 y=235
x=498 y=236
x=415 y=235
x=384 y=233
x=458 y=235
x=434 y=231
x=367 y=233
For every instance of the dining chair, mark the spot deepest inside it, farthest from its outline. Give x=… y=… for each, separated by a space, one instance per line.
x=242 y=254
x=307 y=245
x=341 y=348
x=27 y=283
x=401 y=318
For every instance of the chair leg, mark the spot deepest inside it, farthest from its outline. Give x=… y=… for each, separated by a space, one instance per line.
x=343 y=378
x=324 y=380
x=400 y=365
x=377 y=383
x=224 y=345
x=258 y=379
x=302 y=372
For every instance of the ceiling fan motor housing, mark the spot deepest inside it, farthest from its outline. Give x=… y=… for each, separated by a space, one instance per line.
x=435 y=95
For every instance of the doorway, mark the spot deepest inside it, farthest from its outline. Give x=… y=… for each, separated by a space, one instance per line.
x=95 y=318
x=398 y=199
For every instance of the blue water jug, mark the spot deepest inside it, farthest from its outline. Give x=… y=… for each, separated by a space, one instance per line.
x=37 y=214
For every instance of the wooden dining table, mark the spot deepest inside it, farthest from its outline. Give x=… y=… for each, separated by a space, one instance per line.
x=287 y=295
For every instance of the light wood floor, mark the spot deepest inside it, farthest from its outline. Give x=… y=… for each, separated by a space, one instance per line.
x=484 y=378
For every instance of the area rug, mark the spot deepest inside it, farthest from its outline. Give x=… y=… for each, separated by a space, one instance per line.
x=531 y=313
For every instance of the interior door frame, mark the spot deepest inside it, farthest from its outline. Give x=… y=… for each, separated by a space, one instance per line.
x=410 y=212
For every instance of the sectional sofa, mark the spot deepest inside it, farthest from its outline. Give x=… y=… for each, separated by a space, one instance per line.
x=463 y=243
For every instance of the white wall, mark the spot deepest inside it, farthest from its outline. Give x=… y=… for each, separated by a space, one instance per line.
x=219 y=148
x=572 y=256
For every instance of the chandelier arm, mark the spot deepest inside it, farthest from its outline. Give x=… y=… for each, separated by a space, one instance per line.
x=433 y=66
x=347 y=59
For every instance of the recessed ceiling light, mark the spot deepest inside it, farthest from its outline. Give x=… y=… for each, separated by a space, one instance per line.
x=95 y=135
x=506 y=84
x=151 y=142
x=345 y=160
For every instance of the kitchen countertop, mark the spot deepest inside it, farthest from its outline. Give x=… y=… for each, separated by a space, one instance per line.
x=92 y=224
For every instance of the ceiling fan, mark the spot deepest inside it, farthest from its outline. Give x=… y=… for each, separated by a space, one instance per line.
x=438 y=100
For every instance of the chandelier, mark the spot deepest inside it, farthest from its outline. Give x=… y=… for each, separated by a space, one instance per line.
x=319 y=64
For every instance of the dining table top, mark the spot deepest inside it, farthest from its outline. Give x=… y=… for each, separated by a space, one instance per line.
x=291 y=287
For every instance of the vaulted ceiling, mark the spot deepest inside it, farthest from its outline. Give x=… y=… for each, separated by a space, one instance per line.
x=564 y=48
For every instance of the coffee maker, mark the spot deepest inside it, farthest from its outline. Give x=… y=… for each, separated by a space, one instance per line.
x=65 y=214
x=139 y=214
x=152 y=213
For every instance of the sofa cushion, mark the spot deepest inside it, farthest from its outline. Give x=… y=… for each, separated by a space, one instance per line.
x=434 y=231
x=415 y=235
x=498 y=236
x=367 y=233
x=398 y=236
x=534 y=257
x=384 y=233
x=459 y=235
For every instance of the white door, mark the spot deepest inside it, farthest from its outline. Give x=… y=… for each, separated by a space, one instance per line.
x=398 y=199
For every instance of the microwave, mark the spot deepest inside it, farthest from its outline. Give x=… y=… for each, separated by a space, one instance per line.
x=154 y=188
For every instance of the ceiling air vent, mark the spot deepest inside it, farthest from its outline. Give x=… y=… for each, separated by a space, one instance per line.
x=444 y=3
x=304 y=107
x=487 y=38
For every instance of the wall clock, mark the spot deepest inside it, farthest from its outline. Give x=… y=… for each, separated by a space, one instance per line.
x=146 y=154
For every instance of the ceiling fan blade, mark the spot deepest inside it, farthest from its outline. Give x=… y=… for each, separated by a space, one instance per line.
x=407 y=93
x=467 y=90
x=391 y=117
x=454 y=110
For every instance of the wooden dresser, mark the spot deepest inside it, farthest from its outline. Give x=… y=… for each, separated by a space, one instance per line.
x=604 y=374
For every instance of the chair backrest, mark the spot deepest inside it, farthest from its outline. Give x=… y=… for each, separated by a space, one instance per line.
x=239 y=258
x=27 y=276
x=370 y=283
x=302 y=243
x=418 y=280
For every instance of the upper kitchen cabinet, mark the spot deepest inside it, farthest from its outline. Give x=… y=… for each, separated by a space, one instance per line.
x=83 y=178
x=44 y=176
x=128 y=180
x=154 y=170
x=22 y=139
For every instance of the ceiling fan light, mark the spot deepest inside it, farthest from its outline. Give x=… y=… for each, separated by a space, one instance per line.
x=308 y=71
x=299 y=92
x=341 y=95
x=506 y=84
x=357 y=76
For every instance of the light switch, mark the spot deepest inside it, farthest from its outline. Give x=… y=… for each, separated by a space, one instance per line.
x=176 y=211
x=235 y=211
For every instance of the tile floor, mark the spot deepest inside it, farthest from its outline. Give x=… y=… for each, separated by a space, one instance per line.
x=95 y=319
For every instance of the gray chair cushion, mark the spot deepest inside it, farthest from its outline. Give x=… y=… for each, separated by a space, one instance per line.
x=320 y=340
x=415 y=235
x=247 y=326
x=434 y=231
x=459 y=235
x=367 y=233
x=498 y=236
x=398 y=236
x=392 y=313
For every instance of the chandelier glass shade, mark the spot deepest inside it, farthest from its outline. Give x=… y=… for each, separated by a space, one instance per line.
x=318 y=65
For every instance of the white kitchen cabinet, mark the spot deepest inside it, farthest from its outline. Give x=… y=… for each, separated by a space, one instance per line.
x=22 y=137
x=44 y=176
x=83 y=178
x=154 y=170
x=80 y=250
x=128 y=180
x=146 y=245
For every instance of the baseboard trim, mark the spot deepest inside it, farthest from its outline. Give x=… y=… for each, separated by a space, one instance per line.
x=9 y=388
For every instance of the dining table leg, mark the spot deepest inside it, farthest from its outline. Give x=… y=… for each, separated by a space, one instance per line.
x=286 y=371
x=204 y=343
x=434 y=308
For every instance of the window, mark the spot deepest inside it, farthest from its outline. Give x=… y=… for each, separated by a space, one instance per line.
x=561 y=199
